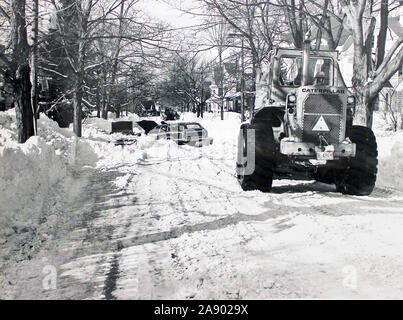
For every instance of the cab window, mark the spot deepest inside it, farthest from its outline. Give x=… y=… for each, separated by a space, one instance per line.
x=319 y=71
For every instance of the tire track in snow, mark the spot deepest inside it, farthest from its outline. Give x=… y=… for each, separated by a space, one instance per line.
x=111 y=278
x=160 y=243
x=188 y=229
x=177 y=196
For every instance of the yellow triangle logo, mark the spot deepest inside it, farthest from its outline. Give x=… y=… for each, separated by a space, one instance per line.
x=321 y=125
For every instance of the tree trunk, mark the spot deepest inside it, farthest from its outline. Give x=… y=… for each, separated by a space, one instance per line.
x=360 y=74
x=78 y=95
x=98 y=101
x=116 y=57
x=363 y=111
x=361 y=69
x=79 y=74
x=78 y=92
x=34 y=65
x=22 y=103
x=382 y=33
x=77 y=103
x=21 y=72
x=221 y=90
x=103 y=96
x=256 y=69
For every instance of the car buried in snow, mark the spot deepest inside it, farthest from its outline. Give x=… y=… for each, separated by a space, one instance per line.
x=191 y=133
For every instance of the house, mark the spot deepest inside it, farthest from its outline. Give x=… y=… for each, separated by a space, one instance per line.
x=231 y=100
x=229 y=95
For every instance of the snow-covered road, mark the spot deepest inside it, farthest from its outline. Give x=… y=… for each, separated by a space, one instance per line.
x=174 y=224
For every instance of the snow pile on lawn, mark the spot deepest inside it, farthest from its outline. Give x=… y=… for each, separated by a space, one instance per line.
x=224 y=132
x=97 y=133
x=102 y=143
x=29 y=172
x=390 y=153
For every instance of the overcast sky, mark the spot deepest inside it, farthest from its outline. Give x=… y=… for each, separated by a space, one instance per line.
x=161 y=10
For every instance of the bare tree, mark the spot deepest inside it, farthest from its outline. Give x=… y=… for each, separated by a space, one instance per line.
x=369 y=81
x=296 y=19
x=115 y=63
x=101 y=40
x=256 y=21
x=219 y=37
x=186 y=81
x=16 y=69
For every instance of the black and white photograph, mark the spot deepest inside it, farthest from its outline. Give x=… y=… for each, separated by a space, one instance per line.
x=201 y=150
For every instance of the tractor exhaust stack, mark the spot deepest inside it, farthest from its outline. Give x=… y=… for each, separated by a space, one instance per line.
x=305 y=66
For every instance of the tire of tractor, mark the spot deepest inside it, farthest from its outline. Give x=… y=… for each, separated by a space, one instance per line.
x=264 y=150
x=359 y=175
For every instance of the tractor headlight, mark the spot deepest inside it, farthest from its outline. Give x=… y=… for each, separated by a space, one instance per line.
x=351 y=101
x=292 y=98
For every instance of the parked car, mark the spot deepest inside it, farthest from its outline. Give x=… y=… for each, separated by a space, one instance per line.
x=191 y=133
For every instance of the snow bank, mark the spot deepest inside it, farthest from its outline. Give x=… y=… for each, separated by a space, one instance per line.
x=29 y=172
x=224 y=132
x=390 y=153
x=148 y=148
x=105 y=126
x=98 y=123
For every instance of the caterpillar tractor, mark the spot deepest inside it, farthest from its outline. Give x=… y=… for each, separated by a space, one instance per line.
x=306 y=131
